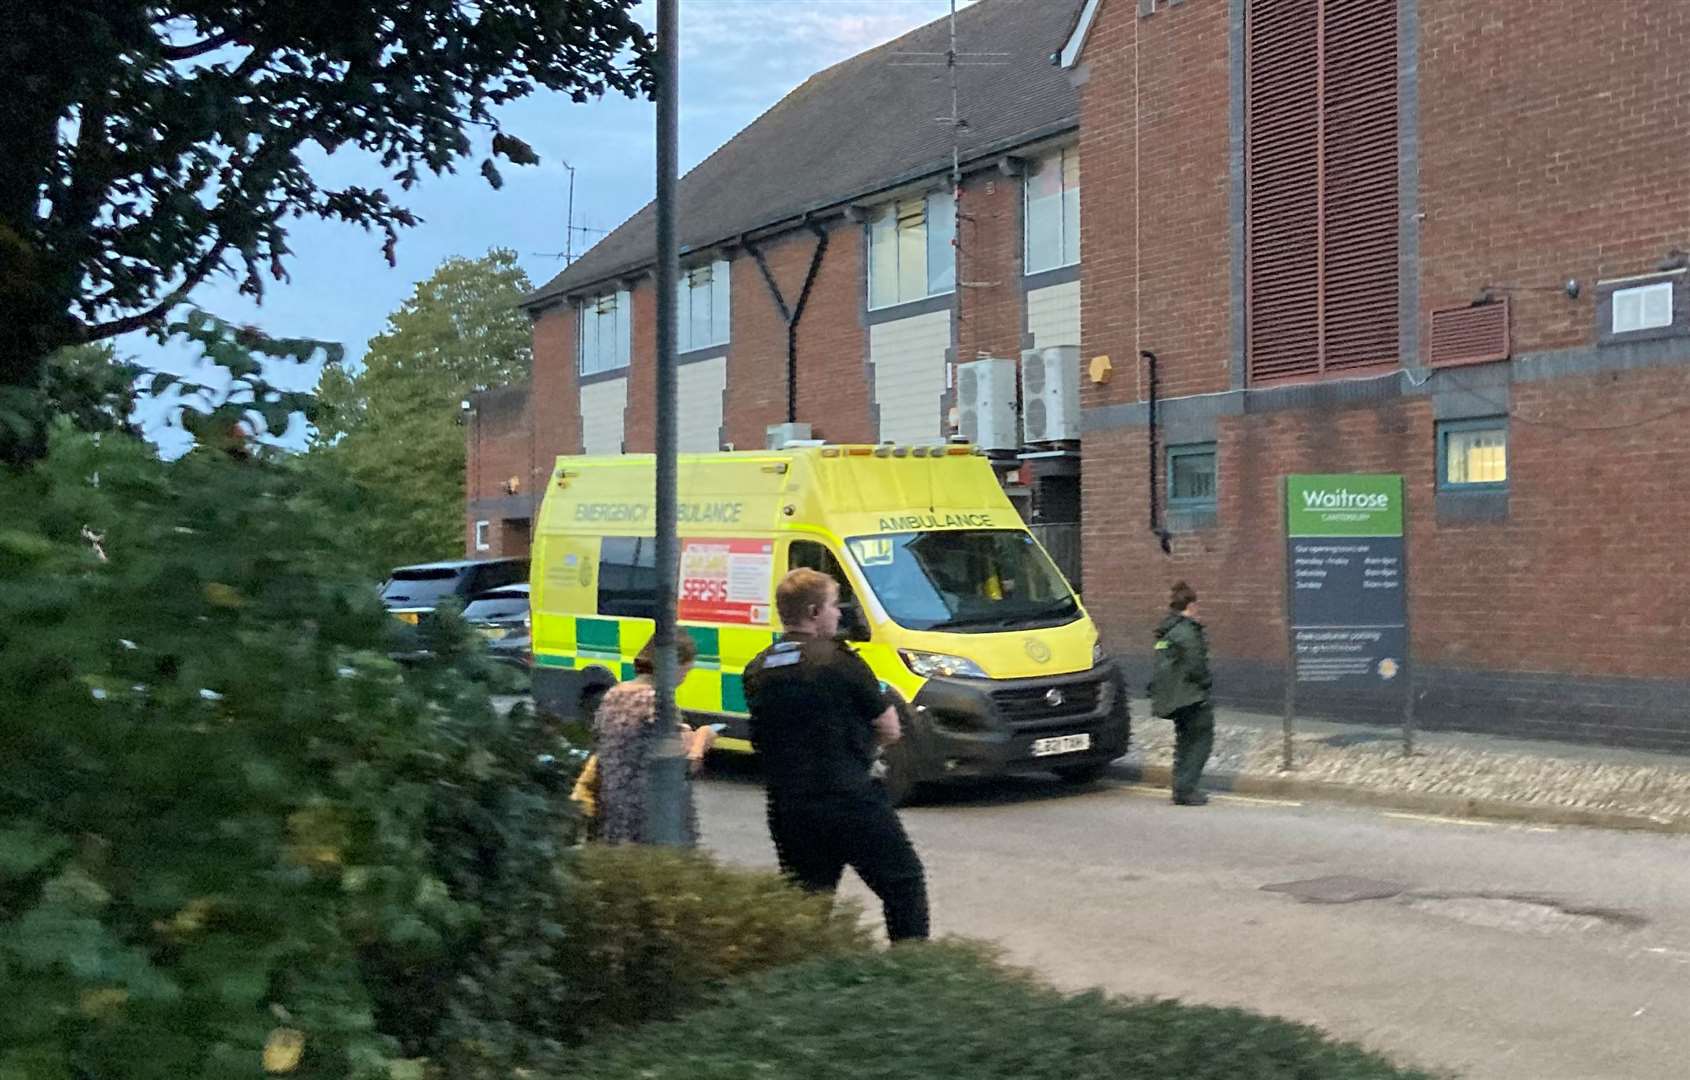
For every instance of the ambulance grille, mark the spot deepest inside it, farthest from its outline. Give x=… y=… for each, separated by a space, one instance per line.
x=1031 y=704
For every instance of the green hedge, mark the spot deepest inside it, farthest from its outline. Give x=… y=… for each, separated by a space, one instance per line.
x=228 y=821
x=947 y=1010
x=644 y=933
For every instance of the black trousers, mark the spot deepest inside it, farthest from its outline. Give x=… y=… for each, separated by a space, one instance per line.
x=817 y=839
x=1194 y=738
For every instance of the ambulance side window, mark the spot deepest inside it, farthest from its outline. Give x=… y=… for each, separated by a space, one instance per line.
x=810 y=555
x=628 y=577
x=815 y=556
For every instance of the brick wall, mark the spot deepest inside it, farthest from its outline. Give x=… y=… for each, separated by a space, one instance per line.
x=1554 y=139
x=555 y=388
x=1107 y=237
x=833 y=394
x=499 y=448
x=1157 y=275
x=1551 y=141
x=989 y=262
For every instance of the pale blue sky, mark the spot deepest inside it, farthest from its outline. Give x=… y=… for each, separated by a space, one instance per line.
x=738 y=57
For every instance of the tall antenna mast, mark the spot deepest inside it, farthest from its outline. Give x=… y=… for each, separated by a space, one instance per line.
x=953 y=58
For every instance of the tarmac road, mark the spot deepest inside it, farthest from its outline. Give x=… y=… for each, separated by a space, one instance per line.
x=1501 y=952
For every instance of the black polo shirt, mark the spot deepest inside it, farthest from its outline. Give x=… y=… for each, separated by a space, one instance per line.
x=813 y=705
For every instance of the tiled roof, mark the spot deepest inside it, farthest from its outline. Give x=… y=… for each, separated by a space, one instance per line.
x=862 y=126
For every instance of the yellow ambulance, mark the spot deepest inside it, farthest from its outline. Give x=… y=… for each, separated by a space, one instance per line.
x=947 y=596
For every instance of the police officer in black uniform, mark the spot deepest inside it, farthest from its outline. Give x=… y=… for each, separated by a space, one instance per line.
x=818 y=717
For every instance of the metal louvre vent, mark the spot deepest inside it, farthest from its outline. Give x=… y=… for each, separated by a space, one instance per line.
x=1032 y=379
x=1322 y=198
x=1469 y=335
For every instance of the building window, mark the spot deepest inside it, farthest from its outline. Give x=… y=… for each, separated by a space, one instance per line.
x=1321 y=198
x=1473 y=455
x=1053 y=212
x=912 y=251
x=701 y=307
x=1642 y=307
x=483 y=530
x=1191 y=477
x=605 y=333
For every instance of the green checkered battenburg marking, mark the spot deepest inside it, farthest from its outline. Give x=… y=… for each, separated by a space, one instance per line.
x=601 y=637
x=733 y=694
x=709 y=645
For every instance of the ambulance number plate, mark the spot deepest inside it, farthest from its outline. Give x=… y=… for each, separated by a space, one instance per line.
x=1061 y=744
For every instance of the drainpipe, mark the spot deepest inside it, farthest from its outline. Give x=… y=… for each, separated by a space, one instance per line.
x=791 y=316
x=1156 y=525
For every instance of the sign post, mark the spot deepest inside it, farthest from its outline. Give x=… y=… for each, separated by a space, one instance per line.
x=1347 y=586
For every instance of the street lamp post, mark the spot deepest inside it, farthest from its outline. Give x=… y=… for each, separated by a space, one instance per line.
x=666 y=804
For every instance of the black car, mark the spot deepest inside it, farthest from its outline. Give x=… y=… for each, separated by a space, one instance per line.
x=412 y=592
x=501 y=616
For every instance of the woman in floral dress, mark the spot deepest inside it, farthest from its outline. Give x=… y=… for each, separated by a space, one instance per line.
x=626 y=732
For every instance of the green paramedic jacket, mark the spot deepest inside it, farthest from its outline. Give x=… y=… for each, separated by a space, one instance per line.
x=1180 y=676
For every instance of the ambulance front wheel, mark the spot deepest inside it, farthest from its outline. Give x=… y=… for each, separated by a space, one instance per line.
x=900 y=779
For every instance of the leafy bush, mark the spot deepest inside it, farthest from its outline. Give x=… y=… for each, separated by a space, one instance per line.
x=233 y=833
x=921 y=1011
x=645 y=933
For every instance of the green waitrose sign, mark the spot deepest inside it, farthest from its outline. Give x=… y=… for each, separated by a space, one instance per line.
x=1344 y=504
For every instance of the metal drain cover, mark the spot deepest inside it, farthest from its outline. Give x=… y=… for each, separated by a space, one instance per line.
x=1340 y=889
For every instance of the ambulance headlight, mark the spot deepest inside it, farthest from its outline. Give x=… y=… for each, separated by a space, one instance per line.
x=933 y=665
x=1096 y=653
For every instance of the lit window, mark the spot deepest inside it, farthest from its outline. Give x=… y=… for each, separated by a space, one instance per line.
x=605 y=334
x=1473 y=455
x=1642 y=307
x=912 y=251
x=701 y=307
x=1191 y=477
x=1053 y=212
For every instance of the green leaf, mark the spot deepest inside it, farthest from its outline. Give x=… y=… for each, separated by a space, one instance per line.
x=514 y=149
x=27 y=848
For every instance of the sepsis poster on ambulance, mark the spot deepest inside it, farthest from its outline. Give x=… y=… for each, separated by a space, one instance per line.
x=726 y=581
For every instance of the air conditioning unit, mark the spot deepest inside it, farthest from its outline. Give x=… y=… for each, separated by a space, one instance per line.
x=985 y=393
x=780 y=436
x=1050 y=393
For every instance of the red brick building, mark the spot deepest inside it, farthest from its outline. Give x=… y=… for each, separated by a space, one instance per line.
x=1428 y=237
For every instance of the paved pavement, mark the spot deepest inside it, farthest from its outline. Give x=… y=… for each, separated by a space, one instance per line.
x=1451 y=772
x=1501 y=951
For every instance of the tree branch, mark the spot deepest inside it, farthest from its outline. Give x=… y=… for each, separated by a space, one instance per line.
x=199 y=48
x=196 y=274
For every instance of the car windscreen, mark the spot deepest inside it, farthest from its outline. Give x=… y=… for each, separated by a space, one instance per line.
x=420 y=588
x=500 y=607
x=970 y=579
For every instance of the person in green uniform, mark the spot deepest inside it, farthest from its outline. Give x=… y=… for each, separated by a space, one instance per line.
x=1179 y=691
